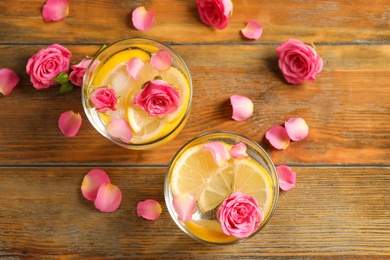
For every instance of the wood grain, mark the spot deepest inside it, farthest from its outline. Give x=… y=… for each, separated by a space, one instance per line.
x=347 y=108
x=333 y=211
x=101 y=21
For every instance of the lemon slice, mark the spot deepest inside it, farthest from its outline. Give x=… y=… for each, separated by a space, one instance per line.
x=119 y=58
x=208 y=230
x=196 y=172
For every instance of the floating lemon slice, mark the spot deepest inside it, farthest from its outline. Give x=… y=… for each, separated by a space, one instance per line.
x=196 y=172
x=208 y=230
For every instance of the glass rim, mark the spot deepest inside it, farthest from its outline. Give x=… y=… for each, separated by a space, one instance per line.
x=180 y=62
x=265 y=156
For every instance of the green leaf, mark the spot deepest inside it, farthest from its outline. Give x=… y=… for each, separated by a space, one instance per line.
x=62 y=78
x=66 y=87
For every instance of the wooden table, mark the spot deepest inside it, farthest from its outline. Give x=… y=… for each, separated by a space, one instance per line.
x=340 y=206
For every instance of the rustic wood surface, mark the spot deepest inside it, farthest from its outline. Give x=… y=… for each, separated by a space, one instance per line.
x=340 y=207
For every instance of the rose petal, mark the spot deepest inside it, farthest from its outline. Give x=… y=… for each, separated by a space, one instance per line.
x=239 y=151
x=286 y=177
x=278 y=137
x=108 y=197
x=184 y=205
x=69 y=123
x=242 y=107
x=92 y=181
x=134 y=67
x=219 y=152
x=296 y=128
x=8 y=80
x=252 y=30
x=55 y=10
x=161 y=60
x=149 y=209
x=142 y=19
x=121 y=129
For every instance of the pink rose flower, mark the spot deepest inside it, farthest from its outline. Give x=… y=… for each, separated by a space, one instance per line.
x=158 y=98
x=215 y=12
x=46 y=64
x=104 y=99
x=78 y=71
x=298 y=62
x=240 y=215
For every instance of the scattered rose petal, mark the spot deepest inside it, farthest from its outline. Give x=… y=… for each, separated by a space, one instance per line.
x=278 y=137
x=134 y=67
x=184 y=205
x=92 y=181
x=69 y=123
x=149 y=209
x=55 y=10
x=252 y=30
x=242 y=107
x=142 y=19
x=296 y=128
x=8 y=80
x=161 y=60
x=239 y=151
x=219 y=152
x=286 y=177
x=121 y=129
x=108 y=197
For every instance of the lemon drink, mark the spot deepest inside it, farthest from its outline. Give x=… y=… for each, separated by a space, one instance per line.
x=148 y=131
x=194 y=171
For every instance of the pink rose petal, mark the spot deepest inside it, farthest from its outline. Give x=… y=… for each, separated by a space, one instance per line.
x=8 y=80
x=184 y=205
x=296 y=128
x=161 y=60
x=55 y=10
x=149 y=209
x=219 y=152
x=142 y=19
x=278 y=137
x=242 y=107
x=239 y=151
x=286 y=177
x=121 y=129
x=134 y=67
x=69 y=123
x=108 y=197
x=252 y=30
x=92 y=181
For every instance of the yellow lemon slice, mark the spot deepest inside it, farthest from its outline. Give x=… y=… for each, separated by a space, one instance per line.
x=119 y=58
x=196 y=172
x=208 y=230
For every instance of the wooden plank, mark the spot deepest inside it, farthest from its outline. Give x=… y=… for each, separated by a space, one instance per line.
x=333 y=211
x=103 y=21
x=347 y=108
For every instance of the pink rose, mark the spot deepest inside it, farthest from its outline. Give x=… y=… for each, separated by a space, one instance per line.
x=158 y=98
x=46 y=64
x=215 y=12
x=103 y=99
x=240 y=215
x=298 y=62
x=78 y=71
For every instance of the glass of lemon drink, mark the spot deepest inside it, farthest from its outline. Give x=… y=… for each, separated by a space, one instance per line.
x=137 y=92
x=227 y=186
